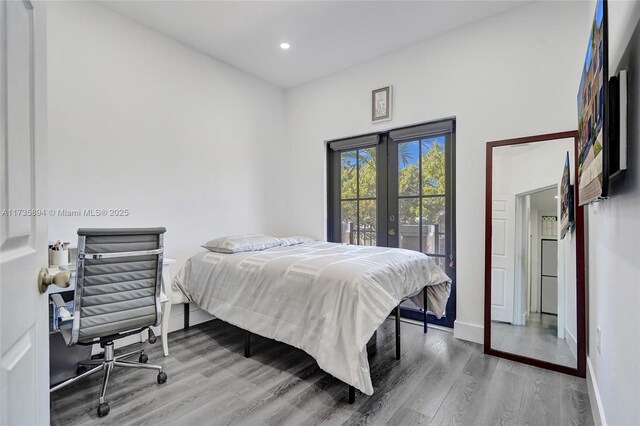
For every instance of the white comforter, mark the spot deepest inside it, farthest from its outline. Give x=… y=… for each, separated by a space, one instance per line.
x=324 y=298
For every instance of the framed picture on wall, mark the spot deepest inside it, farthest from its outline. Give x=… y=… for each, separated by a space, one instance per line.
x=566 y=199
x=381 y=104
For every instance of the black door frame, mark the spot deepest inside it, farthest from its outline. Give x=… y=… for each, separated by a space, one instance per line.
x=333 y=187
x=387 y=161
x=450 y=224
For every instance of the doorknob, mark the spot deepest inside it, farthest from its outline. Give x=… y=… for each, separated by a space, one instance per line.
x=392 y=231
x=61 y=279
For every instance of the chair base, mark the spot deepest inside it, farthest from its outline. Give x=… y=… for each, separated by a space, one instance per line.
x=106 y=365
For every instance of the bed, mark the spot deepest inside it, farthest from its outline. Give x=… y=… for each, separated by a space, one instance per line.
x=327 y=299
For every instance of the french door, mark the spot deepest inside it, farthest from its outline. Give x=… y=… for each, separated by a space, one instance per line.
x=396 y=189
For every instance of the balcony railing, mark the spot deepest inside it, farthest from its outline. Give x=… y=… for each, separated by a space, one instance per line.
x=433 y=240
x=363 y=236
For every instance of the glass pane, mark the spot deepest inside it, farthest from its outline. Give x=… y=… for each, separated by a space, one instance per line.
x=348 y=174
x=440 y=261
x=348 y=214
x=409 y=222
x=433 y=225
x=408 y=168
x=433 y=166
x=367 y=158
x=367 y=234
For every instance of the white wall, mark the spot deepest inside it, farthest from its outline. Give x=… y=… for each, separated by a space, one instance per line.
x=520 y=170
x=140 y=121
x=511 y=75
x=566 y=284
x=614 y=251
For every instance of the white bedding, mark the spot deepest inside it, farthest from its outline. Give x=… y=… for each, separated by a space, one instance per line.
x=324 y=298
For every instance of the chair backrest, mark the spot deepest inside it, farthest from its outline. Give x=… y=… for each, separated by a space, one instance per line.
x=118 y=281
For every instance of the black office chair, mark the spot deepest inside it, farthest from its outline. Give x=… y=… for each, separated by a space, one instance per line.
x=118 y=287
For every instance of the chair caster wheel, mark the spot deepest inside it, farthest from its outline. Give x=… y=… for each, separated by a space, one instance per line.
x=152 y=337
x=143 y=358
x=162 y=377
x=103 y=409
x=81 y=370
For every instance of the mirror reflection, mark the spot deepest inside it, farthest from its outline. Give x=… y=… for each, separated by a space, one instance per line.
x=533 y=260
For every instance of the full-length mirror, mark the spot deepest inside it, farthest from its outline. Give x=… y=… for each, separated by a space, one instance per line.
x=534 y=298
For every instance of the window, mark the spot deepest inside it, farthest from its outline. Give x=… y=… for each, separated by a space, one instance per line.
x=358 y=181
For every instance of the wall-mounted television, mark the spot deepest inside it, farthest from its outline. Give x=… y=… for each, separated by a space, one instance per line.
x=593 y=120
x=566 y=199
x=617 y=151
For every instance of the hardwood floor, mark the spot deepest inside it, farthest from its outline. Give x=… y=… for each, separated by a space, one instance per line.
x=537 y=339
x=439 y=380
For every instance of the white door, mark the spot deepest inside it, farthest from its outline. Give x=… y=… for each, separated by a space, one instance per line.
x=24 y=333
x=502 y=258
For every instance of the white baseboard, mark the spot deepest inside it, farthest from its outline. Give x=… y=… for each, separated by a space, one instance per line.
x=196 y=316
x=467 y=331
x=594 y=396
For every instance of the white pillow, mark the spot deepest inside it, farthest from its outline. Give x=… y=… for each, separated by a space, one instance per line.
x=292 y=241
x=241 y=243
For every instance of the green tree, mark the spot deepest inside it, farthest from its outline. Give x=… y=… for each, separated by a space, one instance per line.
x=433 y=183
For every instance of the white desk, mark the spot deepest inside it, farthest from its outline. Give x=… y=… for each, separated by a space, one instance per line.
x=164 y=300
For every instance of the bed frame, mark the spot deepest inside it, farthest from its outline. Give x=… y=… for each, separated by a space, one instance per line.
x=352 y=390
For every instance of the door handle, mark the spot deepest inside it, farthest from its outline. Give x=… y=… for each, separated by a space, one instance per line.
x=392 y=231
x=61 y=279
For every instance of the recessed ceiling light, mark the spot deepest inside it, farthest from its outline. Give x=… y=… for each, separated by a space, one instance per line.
x=556 y=197
x=284 y=45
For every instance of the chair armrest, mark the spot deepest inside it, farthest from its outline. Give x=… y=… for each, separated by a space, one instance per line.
x=61 y=307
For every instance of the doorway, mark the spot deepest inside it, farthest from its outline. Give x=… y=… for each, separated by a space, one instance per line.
x=534 y=223
x=397 y=189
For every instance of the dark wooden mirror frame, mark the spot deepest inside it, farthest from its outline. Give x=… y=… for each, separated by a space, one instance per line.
x=580 y=370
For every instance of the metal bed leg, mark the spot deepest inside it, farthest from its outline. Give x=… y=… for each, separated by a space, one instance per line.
x=424 y=301
x=352 y=394
x=247 y=344
x=186 y=316
x=398 y=332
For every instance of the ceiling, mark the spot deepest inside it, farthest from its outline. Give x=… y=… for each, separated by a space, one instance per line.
x=325 y=36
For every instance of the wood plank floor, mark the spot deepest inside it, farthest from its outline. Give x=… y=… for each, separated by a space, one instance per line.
x=537 y=339
x=439 y=380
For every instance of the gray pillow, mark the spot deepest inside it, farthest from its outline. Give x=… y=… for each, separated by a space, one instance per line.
x=241 y=243
x=292 y=241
